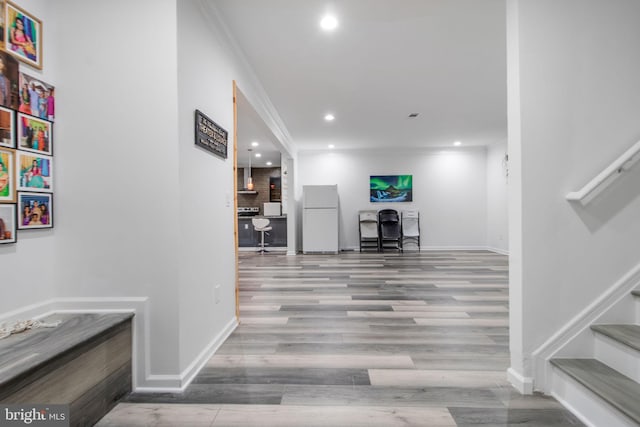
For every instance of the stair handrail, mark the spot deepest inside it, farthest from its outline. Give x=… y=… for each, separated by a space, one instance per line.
x=608 y=175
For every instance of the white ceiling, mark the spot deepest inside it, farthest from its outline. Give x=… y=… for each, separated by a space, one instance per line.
x=251 y=128
x=444 y=59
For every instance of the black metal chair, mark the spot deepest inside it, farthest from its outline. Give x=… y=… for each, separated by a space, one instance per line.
x=390 y=232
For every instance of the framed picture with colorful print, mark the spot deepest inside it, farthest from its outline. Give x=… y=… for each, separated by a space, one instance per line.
x=36 y=97
x=7 y=176
x=34 y=172
x=7 y=128
x=35 y=210
x=35 y=134
x=23 y=35
x=8 y=224
x=9 y=81
x=3 y=25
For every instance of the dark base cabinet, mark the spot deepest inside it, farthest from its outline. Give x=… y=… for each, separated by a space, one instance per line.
x=248 y=237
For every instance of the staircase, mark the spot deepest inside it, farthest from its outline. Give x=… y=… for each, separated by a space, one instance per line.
x=604 y=391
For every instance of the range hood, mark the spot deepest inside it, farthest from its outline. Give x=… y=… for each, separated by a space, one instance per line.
x=245 y=181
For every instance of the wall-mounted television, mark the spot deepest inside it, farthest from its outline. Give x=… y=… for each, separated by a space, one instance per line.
x=391 y=188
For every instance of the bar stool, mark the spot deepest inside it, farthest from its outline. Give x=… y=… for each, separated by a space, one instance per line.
x=261 y=225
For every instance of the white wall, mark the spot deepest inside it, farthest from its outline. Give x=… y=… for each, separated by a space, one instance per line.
x=450 y=190
x=207 y=257
x=117 y=191
x=27 y=266
x=497 y=223
x=575 y=83
x=139 y=210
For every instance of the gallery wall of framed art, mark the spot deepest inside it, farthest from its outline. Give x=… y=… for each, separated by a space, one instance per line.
x=27 y=113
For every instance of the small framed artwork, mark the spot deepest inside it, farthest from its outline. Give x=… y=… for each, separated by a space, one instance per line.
x=35 y=134
x=9 y=80
x=35 y=172
x=37 y=98
x=8 y=224
x=7 y=128
x=7 y=176
x=391 y=188
x=23 y=35
x=35 y=210
x=2 y=25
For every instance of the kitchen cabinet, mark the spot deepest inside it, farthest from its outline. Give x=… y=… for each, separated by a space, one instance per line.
x=248 y=237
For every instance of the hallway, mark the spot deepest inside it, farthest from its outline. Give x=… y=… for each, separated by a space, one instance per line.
x=373 y=339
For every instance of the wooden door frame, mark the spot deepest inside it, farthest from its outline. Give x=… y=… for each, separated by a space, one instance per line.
x=235 y=196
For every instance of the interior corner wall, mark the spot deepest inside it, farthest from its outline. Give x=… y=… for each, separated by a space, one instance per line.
x=117 y=218
x=497 y=177
x=28 y=265
x=207 y=258
x=578 y=78
x=449 y=190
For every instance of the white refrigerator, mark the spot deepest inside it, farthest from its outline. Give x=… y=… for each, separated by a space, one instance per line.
x=320 y=219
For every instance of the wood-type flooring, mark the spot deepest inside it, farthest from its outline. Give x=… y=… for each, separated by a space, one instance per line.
x=377 y=339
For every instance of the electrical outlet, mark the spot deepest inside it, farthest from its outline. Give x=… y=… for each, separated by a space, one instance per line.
x=246 y=226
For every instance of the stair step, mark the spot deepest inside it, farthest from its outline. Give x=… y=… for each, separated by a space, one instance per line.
x=614 y=388
x=626 y=334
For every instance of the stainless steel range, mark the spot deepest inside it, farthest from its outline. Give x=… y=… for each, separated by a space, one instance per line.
x=248 y=211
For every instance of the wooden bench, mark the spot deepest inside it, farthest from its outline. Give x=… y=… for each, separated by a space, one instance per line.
x=84 y=362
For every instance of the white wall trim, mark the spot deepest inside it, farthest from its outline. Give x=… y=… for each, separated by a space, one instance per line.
x=139 y=306
x=192 y=370
x=27 y=312
x=498 y=251
x=143 y=379
x=523 y=384
x=573 y=410
x=579 y=323
x=258 y=98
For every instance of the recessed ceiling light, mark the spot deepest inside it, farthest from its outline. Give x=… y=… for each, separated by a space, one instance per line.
x=329 y=23
x=258 y=155
x=329 y=117
x=269 y=163
x=255 y=144
x=457 y=143
x=332 y=146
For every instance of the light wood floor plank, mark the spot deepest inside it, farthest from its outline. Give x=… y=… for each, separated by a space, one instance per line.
x=371 y=339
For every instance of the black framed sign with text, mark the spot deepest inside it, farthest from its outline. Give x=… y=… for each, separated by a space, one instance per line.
x=210 y=136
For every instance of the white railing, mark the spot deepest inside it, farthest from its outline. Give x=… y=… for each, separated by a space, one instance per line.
x=607 y=176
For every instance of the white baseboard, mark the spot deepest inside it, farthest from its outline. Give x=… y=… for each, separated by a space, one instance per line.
x=192 y=370
x=31 y=311
x=143 y=380
x=137 y=305
x=523 y=384
x=580 y=323
x=498 y=250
